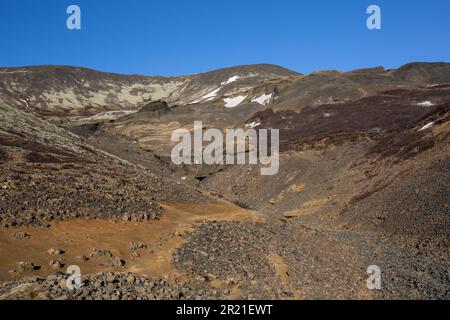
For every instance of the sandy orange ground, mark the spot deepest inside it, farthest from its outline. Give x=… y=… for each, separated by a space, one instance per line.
x=79 y=237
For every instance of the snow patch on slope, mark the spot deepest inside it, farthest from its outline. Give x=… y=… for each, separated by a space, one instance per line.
x=110 y=115
x=230 y=80
x=234 y=102
x=252 y=125
x=26 y=102
x=427 y=126
x=263 y=99
x=425 y=104
x=208 y=97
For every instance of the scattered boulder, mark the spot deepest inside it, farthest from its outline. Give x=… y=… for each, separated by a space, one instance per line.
x=82 y=258
x=56 y=264
x=137 y=245
x=139 y=217
x=24 y=266
x=20 y=235
x=134 y=255
x=131 y=279
x=210 y=277
x=101 y=253
x=54 y=252
x=118 y=262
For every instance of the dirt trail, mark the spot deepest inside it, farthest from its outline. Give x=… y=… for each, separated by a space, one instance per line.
x=282 y=271
x=79 y=237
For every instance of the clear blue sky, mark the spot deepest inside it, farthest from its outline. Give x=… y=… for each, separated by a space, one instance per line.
x=183 y=37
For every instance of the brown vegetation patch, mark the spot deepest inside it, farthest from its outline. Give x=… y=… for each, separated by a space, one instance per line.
x=387 y=114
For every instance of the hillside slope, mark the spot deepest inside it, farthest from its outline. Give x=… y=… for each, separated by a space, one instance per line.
x=48 y=173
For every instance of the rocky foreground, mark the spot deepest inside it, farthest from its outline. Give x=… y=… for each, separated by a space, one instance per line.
x=257 y=260
x=108 y=286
